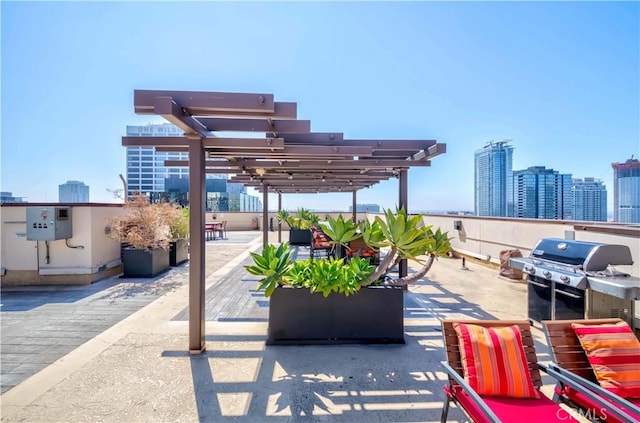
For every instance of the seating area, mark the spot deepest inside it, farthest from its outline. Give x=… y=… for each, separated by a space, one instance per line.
x=612 y=362
x=356 y=383
x=494 y=372
x=321 y=246
x=215 y=230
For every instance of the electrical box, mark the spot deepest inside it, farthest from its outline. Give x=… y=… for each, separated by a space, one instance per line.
x=457 y=225
x=48 y=223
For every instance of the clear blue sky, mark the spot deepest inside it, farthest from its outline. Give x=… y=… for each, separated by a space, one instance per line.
x=562 y=80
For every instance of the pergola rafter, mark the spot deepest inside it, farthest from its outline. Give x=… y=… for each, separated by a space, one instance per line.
x=289 y=158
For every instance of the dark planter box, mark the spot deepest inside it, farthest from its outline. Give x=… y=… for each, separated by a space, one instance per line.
x=300 y=237
x=374 y=315
x=178 y=252
x=144 y=264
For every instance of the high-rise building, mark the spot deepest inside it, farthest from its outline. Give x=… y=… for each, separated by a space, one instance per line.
x=493 y=172
x=589 y=200
x=73 y=192
x=7 y=197
x=540 y=193
x=626 y=191
x=147 y=174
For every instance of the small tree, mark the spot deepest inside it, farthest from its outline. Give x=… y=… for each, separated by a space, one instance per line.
x=144 y=226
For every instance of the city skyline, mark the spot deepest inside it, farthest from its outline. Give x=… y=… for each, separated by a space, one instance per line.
x=558 y=79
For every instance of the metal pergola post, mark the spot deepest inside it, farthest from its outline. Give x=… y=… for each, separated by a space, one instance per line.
x=197 y=194
x=403 y=190
x=265 y=215
x=279 y=223
x=354 y=212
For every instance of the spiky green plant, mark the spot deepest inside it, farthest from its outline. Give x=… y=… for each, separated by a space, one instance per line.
x=273 y=264
x=340 y=230
x=406 y=238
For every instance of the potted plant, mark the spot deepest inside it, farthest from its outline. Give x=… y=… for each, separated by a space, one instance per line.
x=143 y=231
x=299 y=224
x=178 y=220
x=337 y=301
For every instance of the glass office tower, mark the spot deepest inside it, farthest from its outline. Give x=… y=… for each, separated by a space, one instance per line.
x=73 y=192
x=146 y=173
x=492 y=178
x=540 y=193
x=589 y=200
x=626 y=191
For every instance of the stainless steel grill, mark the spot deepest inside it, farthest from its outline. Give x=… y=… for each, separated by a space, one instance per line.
x=560 y=271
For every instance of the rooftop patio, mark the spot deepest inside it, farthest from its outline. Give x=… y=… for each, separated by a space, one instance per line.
x=239 y=378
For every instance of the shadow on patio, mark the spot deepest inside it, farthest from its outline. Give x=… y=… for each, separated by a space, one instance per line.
x=241 y=379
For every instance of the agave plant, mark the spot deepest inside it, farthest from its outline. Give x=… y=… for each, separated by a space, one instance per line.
x=301 y=219
x=406 y=238
x=341 y=231
x=273 y=264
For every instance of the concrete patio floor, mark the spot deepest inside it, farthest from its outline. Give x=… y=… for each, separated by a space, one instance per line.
x=139 y=369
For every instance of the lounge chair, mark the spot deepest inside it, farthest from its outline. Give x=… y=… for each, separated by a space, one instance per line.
x=569 y=357
x=320 y=243
x=494 y=374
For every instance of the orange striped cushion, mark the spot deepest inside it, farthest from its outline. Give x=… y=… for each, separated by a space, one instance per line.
x=494 y=362
x=614 y=354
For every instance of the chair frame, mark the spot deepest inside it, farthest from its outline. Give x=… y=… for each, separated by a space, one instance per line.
x=570 y=359
x=314 y=252
x=220 y=229
x=454 y=369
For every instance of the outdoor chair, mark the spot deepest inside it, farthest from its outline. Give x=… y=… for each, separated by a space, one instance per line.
x=320 y=243
x=209 y=231
x=611 y=368
x=494 y=374
x=358 y=248
x=220 y=229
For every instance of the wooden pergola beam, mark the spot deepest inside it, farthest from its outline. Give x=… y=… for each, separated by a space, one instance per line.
x=281 y=126
x=144 y=101
x=292 y=152
x=171 y=111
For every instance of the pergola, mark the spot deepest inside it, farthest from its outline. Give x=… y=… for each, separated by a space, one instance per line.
x=287 y=159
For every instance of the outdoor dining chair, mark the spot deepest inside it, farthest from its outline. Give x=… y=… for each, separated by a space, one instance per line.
x=220 y=230
x=494 y=374
x=609 y=366
x=209 y=231
x=320 y=243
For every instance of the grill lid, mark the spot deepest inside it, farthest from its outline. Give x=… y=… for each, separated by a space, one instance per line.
x=589 y=256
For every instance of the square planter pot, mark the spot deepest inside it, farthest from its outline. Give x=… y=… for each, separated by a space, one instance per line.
x=178 y=252
x=144 y=264
x=300 y=237
x=373 y=315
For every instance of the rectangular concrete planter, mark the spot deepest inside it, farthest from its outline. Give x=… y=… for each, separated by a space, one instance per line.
x=178 y=252
x=300 y=237
x=144 y=264
x=373 y=315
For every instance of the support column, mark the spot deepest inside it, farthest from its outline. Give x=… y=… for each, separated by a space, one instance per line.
x=355 y=213
x=403 y=178
x=197 y=201
x=279 y=223
x=265 y=215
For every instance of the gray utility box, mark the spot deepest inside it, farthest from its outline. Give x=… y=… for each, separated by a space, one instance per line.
x=48 y=223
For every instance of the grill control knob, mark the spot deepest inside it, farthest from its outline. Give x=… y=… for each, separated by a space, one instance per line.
x=546 y=274
x=530 y=270
x=564 y=278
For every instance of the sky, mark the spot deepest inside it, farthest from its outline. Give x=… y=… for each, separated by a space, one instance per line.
x=559 y=79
